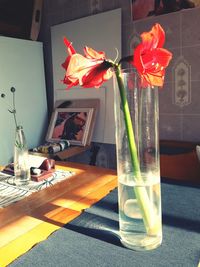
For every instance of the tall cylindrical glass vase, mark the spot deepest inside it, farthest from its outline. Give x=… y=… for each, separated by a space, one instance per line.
x=138 y=163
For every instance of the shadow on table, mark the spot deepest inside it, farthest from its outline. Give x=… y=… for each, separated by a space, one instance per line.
x=180 y=222
x=96 y=226
x=179 y=182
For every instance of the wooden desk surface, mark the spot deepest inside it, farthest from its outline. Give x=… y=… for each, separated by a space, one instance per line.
x=34 y=218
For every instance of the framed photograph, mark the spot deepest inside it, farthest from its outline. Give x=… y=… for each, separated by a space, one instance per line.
x=72 y=124
x=166 y=6
x=142 y=9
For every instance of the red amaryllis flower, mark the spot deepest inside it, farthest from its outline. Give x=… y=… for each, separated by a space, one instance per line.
x=90 y=70
x=71 y=52
x=150 y=59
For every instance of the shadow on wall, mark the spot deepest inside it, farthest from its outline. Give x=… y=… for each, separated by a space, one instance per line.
x=106 y=156
x=102 y=155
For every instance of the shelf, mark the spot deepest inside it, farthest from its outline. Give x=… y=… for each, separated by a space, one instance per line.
x=67 y=153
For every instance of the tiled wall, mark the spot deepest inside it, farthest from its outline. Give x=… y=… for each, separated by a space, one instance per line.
x=180 y=97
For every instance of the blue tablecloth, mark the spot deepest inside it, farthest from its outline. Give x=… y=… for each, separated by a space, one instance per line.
x=92 y=238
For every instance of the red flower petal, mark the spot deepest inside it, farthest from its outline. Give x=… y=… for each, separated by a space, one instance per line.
x=156 y=58
x=150 y=59
x=69 y=46
x=154 y=38
x=96 y=76
x=91 y=53
x=66 y=63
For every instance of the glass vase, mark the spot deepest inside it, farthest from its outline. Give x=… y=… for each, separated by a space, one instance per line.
x=138 y=163
x=21 y=166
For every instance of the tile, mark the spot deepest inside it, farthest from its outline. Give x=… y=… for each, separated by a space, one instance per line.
x=190 y=26
x=170 y=127
x=166 y=100
x=169 y=22
x=169 y=70
x=194 y=107
x=181 y=72
x=191 y=129
x=192 y=55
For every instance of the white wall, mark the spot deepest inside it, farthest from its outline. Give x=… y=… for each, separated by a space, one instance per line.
x=21 y=66
x=102 y=32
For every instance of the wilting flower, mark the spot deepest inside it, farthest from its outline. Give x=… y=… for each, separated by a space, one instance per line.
x=90 y=70
x=150 y=59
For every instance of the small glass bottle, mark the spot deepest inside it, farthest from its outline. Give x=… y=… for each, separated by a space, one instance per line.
x=21 y=168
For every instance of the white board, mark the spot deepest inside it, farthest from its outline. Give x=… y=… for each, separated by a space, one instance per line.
x=22 y=67
x=102 y=32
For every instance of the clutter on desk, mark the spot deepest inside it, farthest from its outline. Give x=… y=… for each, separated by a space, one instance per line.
x=40 y=168
x=44 y=171
x=52 y=147
x=11 y=193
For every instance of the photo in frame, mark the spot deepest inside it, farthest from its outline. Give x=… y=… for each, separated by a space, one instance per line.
x=142 y=8
x=72 y=124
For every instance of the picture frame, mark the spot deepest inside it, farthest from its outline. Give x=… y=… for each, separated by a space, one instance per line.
x=71 y=124
x=141 y=9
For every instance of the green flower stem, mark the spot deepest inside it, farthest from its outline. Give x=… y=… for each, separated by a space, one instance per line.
x=15 y=120
x=14 y=110
x=144 y=203
x=128 y=123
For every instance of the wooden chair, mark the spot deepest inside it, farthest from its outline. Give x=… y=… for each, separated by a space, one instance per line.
x=179 y=161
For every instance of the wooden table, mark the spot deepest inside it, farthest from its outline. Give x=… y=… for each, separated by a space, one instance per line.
x=34 y=218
